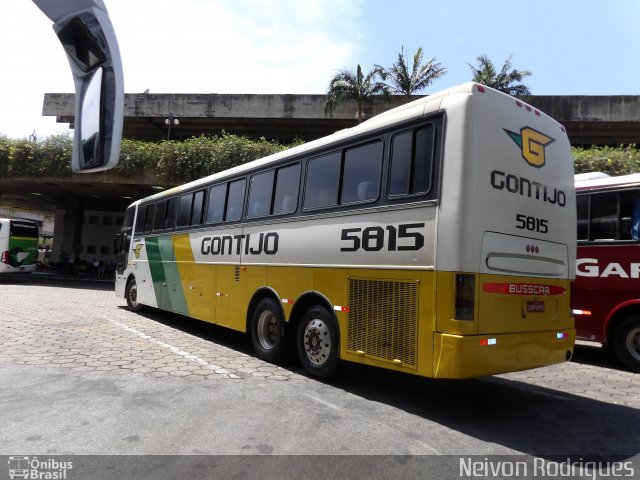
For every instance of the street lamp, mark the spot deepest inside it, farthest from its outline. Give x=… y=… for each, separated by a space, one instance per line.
x=170 y=121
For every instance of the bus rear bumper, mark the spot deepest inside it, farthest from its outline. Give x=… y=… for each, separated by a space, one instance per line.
x=457 y=356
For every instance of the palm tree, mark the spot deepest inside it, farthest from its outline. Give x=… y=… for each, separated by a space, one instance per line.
x=506 y=81
x=347 y=85
x=407 y=83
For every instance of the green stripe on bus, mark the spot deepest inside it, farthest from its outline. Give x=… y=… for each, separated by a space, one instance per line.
x=164 y=273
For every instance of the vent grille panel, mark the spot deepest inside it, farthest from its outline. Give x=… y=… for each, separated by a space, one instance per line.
x=383 y=318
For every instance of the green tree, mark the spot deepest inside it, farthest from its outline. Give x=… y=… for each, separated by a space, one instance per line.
x=347 y=85
x=407 y=81
x=507 y=80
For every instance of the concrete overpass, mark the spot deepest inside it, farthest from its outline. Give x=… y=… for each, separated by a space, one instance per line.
x=590 y=120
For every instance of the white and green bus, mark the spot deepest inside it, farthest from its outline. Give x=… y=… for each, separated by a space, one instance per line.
x=437 y=238
x=18 y=245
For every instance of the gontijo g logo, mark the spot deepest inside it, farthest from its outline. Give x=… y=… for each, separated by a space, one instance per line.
x=532 y=144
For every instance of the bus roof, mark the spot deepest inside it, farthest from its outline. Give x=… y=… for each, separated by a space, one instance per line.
x=606 y=182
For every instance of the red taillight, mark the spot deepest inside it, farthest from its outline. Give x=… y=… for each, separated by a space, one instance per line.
x=481 y=89
x=465 y=296
x=5 y=257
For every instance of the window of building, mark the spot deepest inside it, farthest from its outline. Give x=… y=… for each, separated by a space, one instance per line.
x=93 y=220
x=107 y=220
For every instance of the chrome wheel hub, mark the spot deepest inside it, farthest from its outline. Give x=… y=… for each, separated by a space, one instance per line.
x=317 y=342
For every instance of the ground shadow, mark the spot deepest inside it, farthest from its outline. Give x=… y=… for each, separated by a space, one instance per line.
x=534 y=420
x=597 y=356
x=84 y=282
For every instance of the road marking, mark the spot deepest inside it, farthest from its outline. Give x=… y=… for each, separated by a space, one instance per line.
x=176 y=350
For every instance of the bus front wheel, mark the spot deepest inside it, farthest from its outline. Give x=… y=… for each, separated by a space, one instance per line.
x=626 y=342
x=317 y=342
x=131 y=294
x=267 y=331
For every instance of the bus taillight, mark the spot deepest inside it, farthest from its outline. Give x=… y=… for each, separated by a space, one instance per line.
x=5 y=257
x=465 y=296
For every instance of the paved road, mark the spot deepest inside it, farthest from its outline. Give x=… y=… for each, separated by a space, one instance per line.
x=82 y=375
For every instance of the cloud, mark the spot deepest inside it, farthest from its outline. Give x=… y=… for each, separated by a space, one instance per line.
x=257 y=46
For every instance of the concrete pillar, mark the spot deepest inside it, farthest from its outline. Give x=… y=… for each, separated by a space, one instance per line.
x=68 y=227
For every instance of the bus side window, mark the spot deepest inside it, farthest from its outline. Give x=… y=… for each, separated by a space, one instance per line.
x=170 y=217
x=361 y=178
x=630 y=216
x=148 y=219
x=635 y=219
x=582 y=205
x=215 y=208
x=184 y=210
x=322 y=182
x=142 y=212
x=287 y=185
x=260 y=193
x=235 y=201
x=198 y=207
x=604 y=216
x=411 y=169
x=158 y=219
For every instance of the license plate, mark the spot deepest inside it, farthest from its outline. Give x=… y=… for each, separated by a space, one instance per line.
x=535 y=307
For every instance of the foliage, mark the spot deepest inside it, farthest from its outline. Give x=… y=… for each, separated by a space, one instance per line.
x=611 y=160
x=347 y=85
x=507 y=80
x=24 y=158
x=172 y=162
x=405 y=82
x=169 y=162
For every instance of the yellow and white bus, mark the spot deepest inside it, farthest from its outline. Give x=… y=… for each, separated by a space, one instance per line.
x=437 y=238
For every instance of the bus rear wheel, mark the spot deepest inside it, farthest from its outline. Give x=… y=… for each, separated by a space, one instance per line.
x=131 y=294
x=626 y=342
x=317 y=342
x=267 y=331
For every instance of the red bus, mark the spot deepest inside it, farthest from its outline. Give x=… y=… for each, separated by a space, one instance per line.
x=606 y=292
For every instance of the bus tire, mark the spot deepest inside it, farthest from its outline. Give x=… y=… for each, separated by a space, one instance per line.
x=131 y=295
x=267 y=331
x=625 y=342
x=318 y=343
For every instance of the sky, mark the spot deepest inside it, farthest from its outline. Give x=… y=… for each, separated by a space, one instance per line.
x=572 y=47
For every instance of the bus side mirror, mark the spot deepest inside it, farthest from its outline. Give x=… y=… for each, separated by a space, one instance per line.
x=86 y=33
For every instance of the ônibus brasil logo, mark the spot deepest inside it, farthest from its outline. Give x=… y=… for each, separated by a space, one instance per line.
x=532 y=144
